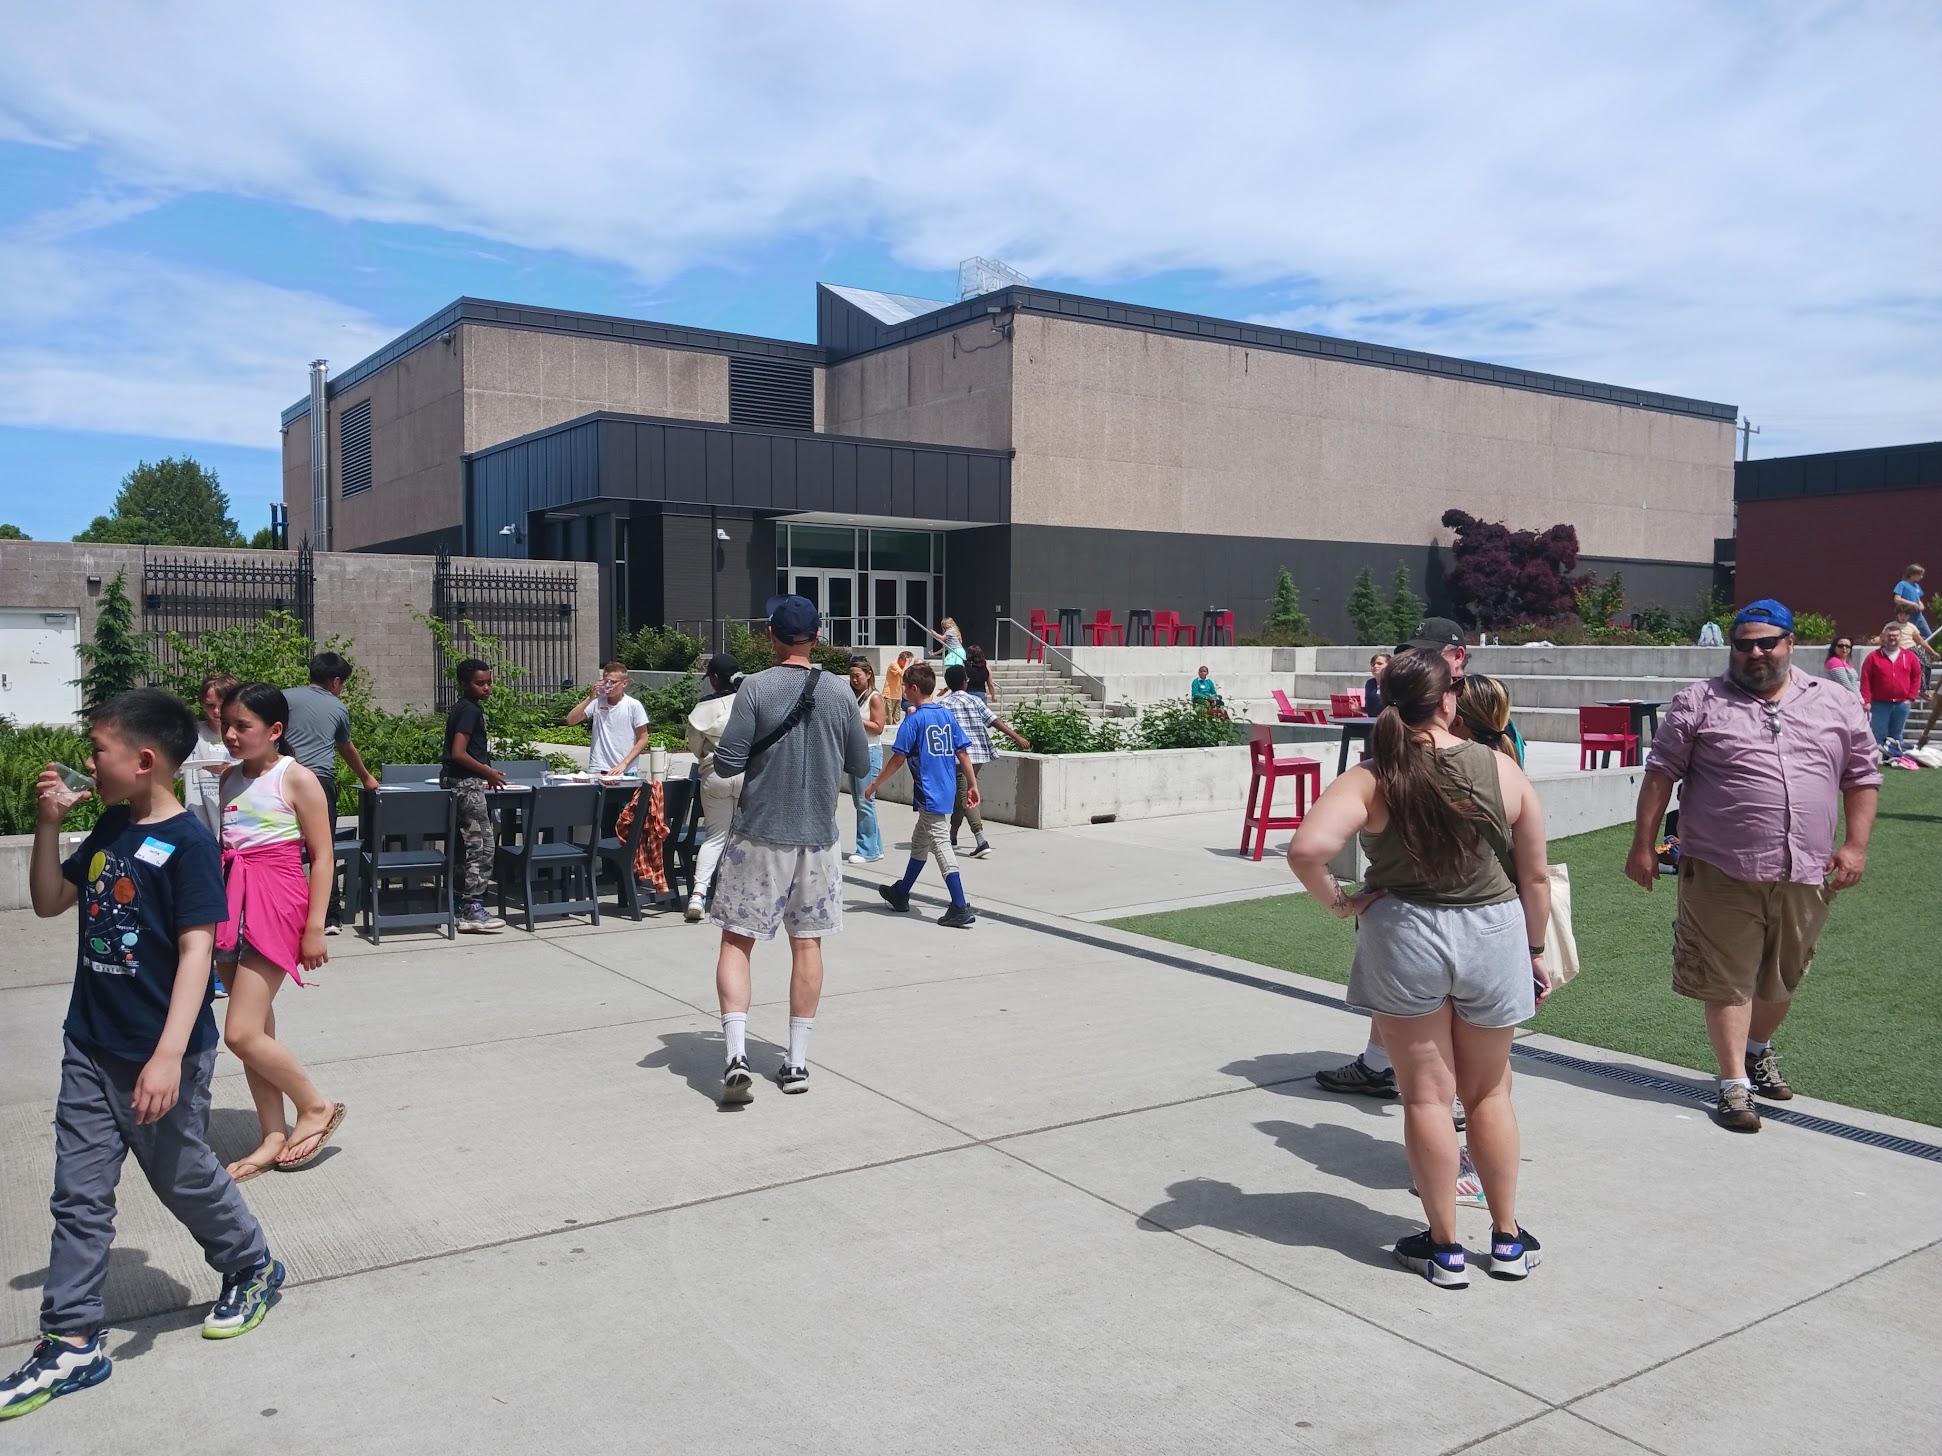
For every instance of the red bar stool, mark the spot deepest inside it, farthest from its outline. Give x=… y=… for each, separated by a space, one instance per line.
x=1103 y=631
x=1042 y=632
x=1265 y=768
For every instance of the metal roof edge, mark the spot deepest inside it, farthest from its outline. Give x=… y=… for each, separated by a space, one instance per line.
x=496 y=314
x=620 y=417
x=1052 y=304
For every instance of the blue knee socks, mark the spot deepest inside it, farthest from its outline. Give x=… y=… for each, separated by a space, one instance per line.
x=911 y=872
x=955 y=883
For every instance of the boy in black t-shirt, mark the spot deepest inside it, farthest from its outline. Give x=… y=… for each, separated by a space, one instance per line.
x=140 y=1042
x=468 y=773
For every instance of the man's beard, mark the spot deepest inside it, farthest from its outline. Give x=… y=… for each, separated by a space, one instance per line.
x=1759 y=675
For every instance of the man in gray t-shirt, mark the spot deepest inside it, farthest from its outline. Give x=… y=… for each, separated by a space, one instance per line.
x=317 y=733
x=795 y=733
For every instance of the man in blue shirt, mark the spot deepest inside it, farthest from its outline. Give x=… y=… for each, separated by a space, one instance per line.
x=147 y=884
x=931 y=738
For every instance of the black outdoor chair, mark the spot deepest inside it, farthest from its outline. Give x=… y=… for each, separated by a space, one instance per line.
x=524 y=770
x=546 y=853
x=617 y=853
x=347 y=847
x=412 y=836
x=408 y=773
x=683 y=845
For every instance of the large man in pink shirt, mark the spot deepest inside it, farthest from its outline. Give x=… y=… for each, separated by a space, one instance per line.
x=1766 y=755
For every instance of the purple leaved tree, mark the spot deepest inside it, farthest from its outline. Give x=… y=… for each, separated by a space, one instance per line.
x=1499 y=577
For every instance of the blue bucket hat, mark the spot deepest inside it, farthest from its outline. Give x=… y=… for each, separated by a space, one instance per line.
x=1767 y=612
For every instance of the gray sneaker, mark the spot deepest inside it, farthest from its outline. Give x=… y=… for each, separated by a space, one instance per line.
x=475 y=919
x=1360 y=1078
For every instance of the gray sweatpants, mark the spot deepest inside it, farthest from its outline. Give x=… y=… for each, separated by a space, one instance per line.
x=94 y=1132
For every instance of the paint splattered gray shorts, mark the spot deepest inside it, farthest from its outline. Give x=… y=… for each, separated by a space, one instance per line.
x=764 y=887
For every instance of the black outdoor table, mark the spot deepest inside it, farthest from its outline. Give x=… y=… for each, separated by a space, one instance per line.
x=1352 y=728
x=1644 y=710
x=1139 y=627
x=1068 y=626
x=1213 y=631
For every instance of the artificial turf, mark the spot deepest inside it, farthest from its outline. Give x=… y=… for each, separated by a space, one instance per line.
x=1866 y=1028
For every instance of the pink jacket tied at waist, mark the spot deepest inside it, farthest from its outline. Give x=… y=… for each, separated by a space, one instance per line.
x=269 y=903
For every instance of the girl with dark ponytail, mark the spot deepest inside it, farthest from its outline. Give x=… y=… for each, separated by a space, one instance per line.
x=1451 y=830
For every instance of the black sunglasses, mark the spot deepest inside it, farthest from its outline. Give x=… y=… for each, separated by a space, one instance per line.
x=1745 y=645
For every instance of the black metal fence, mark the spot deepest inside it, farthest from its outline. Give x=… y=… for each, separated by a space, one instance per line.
x=531 y=613
x=194 y=595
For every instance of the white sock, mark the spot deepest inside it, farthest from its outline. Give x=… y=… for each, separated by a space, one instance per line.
x=1726 y=1082
x=799 y=1029
x=1755 y=1048
x=1375 y=1057
x=735 y=1034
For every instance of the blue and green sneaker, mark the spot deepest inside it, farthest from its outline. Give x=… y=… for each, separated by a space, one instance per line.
x=55 y=1368
x=245 y=1299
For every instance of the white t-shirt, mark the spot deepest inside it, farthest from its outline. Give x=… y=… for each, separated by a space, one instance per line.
x=612 y=727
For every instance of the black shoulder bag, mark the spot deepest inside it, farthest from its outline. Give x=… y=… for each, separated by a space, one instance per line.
x=805 y=705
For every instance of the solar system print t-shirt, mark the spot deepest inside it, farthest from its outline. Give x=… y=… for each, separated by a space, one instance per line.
x=139 y=884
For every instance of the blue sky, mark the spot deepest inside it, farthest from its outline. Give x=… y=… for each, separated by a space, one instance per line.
x=1719 y=200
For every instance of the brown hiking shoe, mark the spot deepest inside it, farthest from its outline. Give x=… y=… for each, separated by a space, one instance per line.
x=1736 y=1112
x=1763 y=1072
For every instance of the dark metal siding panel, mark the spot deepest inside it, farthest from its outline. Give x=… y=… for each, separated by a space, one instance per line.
x=1839 y=472
x=843 y=483
x=687 y=464
x=989 y=498
x=903 y=483
x=873 y=481
x=957 y=489
x=751 y=470
x=782 y=472
x=719 y=488
x=928 y=496
x=815 y=475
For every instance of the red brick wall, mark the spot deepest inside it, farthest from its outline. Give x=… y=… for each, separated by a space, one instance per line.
x=1840 y=554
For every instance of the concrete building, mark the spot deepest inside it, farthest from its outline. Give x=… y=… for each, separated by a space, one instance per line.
x=1022 y=449
x=1833 y=532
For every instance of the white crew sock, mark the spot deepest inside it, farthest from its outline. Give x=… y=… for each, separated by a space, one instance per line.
x=1375 y=1057
x=1755 y=1048
x=735 y=1034
x=1726 y=1082
x=799 y=1029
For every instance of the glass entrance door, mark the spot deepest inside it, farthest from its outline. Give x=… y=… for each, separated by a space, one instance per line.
x=833 y=593
x=896 y=596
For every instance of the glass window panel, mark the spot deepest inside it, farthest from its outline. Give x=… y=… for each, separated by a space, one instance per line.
x=828 y=547
x=900 y=551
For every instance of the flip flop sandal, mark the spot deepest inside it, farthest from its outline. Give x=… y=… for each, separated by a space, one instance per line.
x=323 y=1139
x=255 y=1170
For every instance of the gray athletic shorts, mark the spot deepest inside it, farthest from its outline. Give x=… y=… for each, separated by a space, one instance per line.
x=1410 y=959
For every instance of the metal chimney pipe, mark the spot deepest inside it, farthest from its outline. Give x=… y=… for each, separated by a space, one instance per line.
x=319 y=457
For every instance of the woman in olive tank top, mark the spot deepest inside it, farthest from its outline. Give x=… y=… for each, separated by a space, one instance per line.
x=1449 y=937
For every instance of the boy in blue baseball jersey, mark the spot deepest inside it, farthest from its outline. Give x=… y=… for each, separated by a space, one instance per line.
x=933 y=741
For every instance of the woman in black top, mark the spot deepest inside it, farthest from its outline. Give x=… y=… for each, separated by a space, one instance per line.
x=977 y=673
x=1372 y=689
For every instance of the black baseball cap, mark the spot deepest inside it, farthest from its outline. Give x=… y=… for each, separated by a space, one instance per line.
x=793 y=619
x=1433 y=634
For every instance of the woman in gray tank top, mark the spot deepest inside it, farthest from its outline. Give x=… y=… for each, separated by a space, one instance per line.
x=1448 y=951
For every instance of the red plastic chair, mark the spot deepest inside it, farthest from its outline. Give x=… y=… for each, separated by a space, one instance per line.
x=1042 y=633
x=1103 y=631
x=1286 y=711
x=1605 y=731
x=1170 y=631
x=1345 y=705
x=1312 y=715
x=1265 y=767
x=1224 y=625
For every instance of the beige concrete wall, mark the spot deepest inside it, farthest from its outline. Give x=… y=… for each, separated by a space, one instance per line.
x=518 y=381
x=367 y=599
x=417 y=435
x=1130 y=428
x=296 y=478
x=949 y=389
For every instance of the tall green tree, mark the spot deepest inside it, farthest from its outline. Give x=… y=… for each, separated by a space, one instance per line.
x=1406 y=609
x=1284 y=607
x=1368 y=611
x=118 y=658
x=168 y=503
x=264 y=540
x=10 y=532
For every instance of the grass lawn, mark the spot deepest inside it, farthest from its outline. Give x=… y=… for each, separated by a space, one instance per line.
x=1866 y=1029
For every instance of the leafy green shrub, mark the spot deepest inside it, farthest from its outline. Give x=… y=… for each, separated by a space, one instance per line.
x=274 y=650
x=1599 y=602
x=1813 y=627
x=1063 y=728
x=24 y=752
x=1284 y=608
x=1379 y=622
x=660 y=649
x=1281 y=637
x=1183 y=723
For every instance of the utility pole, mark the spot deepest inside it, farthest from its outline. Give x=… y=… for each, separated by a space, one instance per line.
x=1747 y=431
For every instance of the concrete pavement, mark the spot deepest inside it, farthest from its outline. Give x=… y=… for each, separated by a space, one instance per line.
x=1047 y=1194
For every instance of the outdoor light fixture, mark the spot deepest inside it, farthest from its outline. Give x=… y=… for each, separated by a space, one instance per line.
x=513 y=531
x=720 y=534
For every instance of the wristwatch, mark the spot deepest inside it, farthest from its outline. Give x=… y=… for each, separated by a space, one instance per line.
x=1537 y=950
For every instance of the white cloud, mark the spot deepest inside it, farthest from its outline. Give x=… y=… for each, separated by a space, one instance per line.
x=96 y=339
x=1730 y=201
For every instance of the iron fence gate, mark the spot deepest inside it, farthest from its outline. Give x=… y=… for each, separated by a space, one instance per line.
x=192 y=595
x=531 y=613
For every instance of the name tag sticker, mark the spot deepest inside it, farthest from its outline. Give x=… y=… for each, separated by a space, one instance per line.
x=154 y=851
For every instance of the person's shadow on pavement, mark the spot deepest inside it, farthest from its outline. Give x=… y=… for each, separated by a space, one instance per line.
x=1298 y=1220
x=696 y=1057
x=1292 y=1074
x=135 y=1290
x=1347 y=1153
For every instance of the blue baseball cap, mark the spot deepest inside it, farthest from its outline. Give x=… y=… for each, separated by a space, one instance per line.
x=1766 y=611
x=795 y=619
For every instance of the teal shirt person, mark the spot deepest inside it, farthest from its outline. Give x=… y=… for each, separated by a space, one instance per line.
x=1204 y=690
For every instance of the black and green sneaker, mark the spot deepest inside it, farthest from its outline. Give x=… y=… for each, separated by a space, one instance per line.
x=245 y=1299
x=55 y=1368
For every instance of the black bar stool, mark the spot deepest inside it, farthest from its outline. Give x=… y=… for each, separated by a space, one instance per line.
x=1139 y=627
x=1210 y=633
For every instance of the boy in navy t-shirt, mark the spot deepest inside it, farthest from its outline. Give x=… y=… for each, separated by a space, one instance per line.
x=140 y=1042
x=932 y=739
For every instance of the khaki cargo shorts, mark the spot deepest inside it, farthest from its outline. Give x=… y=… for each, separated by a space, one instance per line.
x=1736 y=940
